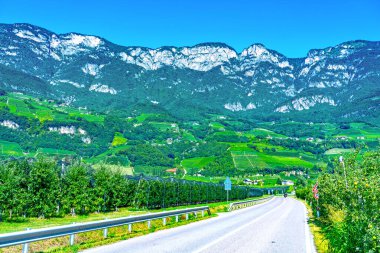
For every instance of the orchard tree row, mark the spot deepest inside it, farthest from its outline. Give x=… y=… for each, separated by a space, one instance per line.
x=349 y=203
x=43 y=189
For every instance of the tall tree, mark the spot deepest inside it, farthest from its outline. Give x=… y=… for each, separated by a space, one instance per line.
x=44 y=188
x=76 y=189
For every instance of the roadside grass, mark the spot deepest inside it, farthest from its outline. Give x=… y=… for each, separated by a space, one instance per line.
x=96 y=238
x=21 y=224
x=320 y=241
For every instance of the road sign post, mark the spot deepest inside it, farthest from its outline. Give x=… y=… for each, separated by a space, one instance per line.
x=227 y=185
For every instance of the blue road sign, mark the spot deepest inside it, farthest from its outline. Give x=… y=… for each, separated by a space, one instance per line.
x=227 y=184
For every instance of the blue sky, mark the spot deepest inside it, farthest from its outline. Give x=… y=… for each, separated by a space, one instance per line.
x=291 y=27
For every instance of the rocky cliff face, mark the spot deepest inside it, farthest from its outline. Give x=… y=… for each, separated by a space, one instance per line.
x=340 y=81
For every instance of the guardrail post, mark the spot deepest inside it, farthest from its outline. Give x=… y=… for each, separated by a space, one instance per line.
x=203 y=213
x=105 y=231
x=72 y=238
x=130 y=227
x=148 y=224
x=195 y=214
x=187 y=216
x=164 y=221
x=176 y=218
x=25 y=246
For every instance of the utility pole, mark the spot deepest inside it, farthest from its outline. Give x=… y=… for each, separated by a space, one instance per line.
x=341 y=160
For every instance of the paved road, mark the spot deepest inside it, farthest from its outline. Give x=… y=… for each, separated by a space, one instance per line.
x=278 y=225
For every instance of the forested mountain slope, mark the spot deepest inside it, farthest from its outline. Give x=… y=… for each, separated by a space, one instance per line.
x=340 y=82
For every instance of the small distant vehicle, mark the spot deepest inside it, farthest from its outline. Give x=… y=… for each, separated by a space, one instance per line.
x=285 y=195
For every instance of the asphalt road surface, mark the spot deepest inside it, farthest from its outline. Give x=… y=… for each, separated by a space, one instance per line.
x=278 y=225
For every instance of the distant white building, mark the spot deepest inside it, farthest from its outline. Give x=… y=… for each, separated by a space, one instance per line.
x=248 y=181
x=294 y=173
x=63 y=130
x=10 y=124
x=287 y=182
x=86 y=140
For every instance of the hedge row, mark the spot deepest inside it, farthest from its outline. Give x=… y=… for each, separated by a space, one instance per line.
x=44 y=189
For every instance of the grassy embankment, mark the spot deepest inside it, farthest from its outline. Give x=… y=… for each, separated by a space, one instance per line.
x=320 y=241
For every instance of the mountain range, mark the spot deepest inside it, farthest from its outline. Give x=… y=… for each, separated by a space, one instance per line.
x=340 y=82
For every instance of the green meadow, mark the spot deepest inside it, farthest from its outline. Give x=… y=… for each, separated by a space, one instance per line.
x=10 y=149
x=197 y=162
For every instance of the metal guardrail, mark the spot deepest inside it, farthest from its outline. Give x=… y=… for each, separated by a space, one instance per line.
x=241 y=204
x=25 y=237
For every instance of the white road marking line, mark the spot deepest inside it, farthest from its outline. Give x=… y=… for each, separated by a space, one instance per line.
x=235 y=231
